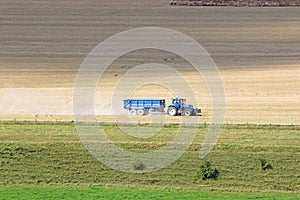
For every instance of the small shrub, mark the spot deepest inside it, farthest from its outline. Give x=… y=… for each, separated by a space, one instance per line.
x=265 y=164
x=139 y=166
x=207 y=172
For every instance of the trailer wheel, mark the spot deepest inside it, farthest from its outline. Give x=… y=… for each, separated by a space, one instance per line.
x=188 y=112
x=140 y=112
x=132 y=112
x=172 y=111
x=146 y=112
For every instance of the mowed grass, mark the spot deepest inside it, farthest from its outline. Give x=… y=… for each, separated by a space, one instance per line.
x=45 y=157
x=84 y=192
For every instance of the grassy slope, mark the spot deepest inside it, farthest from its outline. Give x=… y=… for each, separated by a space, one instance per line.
x=44 y=155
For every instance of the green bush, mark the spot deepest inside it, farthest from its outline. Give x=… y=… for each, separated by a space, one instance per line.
x=207 y=172
x=265 y=164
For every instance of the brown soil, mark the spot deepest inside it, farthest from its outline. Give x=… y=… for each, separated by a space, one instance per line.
x=236 y=3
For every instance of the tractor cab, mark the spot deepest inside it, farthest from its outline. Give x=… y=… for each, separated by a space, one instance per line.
x=179 y=103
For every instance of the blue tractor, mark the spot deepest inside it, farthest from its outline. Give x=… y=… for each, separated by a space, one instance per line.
x=180 y=107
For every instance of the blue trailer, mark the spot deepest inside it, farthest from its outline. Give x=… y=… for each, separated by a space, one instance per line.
x=144 y=106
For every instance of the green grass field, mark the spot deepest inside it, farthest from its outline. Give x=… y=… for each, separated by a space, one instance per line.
x=45 y=161
x=83 y=192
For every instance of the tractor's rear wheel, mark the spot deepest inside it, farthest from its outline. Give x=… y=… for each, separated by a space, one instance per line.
x=188 y=112
x=172 y=111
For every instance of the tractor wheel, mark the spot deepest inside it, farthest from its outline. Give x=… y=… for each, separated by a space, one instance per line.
x=140 y=112
x=172 y=111
x=132 y=112
x=187 y=112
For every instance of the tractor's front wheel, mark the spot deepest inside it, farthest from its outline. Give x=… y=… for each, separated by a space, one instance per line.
x=172 y=111
x=188 y=112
